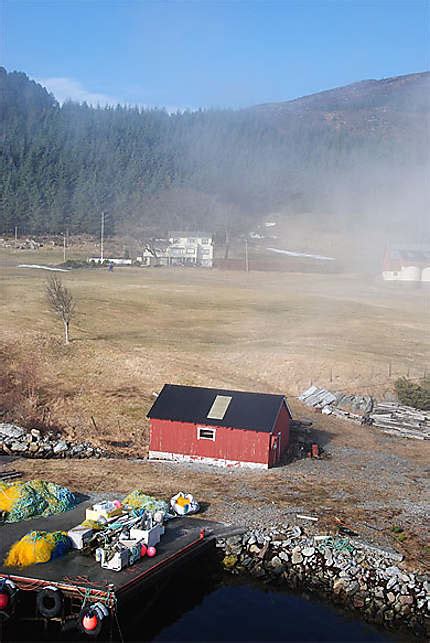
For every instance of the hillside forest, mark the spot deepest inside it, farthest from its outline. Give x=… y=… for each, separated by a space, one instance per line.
x=356 y=156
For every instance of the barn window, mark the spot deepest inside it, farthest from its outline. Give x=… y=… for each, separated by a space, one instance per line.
x=206 y=434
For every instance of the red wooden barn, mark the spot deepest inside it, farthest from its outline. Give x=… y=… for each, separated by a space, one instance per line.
x=228 y=428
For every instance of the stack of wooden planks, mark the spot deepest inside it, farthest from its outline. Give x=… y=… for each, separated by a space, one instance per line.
x=392 y=417
x=8 y=476
x=403 y=421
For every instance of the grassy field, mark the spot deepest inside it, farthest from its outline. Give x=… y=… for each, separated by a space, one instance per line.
x=136 y=329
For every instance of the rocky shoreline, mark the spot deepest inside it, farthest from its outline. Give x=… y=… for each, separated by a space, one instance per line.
x=32 y=443
x=347 y=571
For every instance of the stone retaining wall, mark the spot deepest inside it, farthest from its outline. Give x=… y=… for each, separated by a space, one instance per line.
x=348 y=571
x=32 y=443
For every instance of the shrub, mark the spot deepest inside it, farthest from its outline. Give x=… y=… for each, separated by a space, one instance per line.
x=23 y=398
x=401 y=537
x=416 y=395
x=75 y=263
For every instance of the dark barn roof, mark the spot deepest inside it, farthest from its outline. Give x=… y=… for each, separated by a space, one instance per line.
x=252 y=411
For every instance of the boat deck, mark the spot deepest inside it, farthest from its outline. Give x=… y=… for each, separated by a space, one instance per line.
x=79 y=575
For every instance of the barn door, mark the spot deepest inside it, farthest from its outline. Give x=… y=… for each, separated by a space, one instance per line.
x=275 y=448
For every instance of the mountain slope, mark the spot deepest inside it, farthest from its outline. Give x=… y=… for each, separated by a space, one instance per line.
x=405 y=93
x=389 y=106
x=350 y=154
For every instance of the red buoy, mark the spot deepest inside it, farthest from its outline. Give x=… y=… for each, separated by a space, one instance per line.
x=90 y=622
x=4 y=600
x=92 y=618
x=151 y=552
x=8 y=592
x=143 y=550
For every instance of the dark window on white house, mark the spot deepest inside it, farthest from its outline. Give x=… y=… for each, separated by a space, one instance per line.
x=206 y=434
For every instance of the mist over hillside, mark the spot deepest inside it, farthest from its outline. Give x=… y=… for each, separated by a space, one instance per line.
x=354 y=158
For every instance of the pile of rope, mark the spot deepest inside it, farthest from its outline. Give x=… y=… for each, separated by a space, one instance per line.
x=38 y=547
x=137 y=499
x=34 y=498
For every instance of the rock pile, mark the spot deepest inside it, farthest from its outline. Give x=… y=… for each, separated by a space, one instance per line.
x=348 y=571
x=32 y=443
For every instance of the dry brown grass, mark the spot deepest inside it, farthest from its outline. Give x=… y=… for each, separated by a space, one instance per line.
x=136 y=329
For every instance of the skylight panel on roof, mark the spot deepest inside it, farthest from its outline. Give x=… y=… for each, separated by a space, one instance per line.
x=219 y=407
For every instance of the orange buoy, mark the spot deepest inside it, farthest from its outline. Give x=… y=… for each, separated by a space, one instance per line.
x=90 y=622
x=92 y=619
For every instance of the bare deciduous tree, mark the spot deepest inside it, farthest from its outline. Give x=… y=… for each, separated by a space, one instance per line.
x=61 y=302
x=152 y=248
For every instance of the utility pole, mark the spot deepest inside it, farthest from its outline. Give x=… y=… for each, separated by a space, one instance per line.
x=246 y=256
x=16 y=234
x=102 y=236
x=64 y=247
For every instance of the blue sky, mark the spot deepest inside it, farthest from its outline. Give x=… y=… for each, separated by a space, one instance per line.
x=208 y=53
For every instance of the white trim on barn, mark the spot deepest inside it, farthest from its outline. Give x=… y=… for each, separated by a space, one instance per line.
x=210 y=433
x=180 y=457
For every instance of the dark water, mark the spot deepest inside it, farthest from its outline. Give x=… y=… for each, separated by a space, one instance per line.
x=201 y=604
x=244 y=612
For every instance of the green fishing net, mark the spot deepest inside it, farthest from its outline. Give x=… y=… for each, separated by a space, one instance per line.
x=39 y=498
x=137 y=499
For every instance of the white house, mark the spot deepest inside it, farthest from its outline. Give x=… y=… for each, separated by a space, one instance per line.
x=182 y=249
x=191 y=249
x=407 y=263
